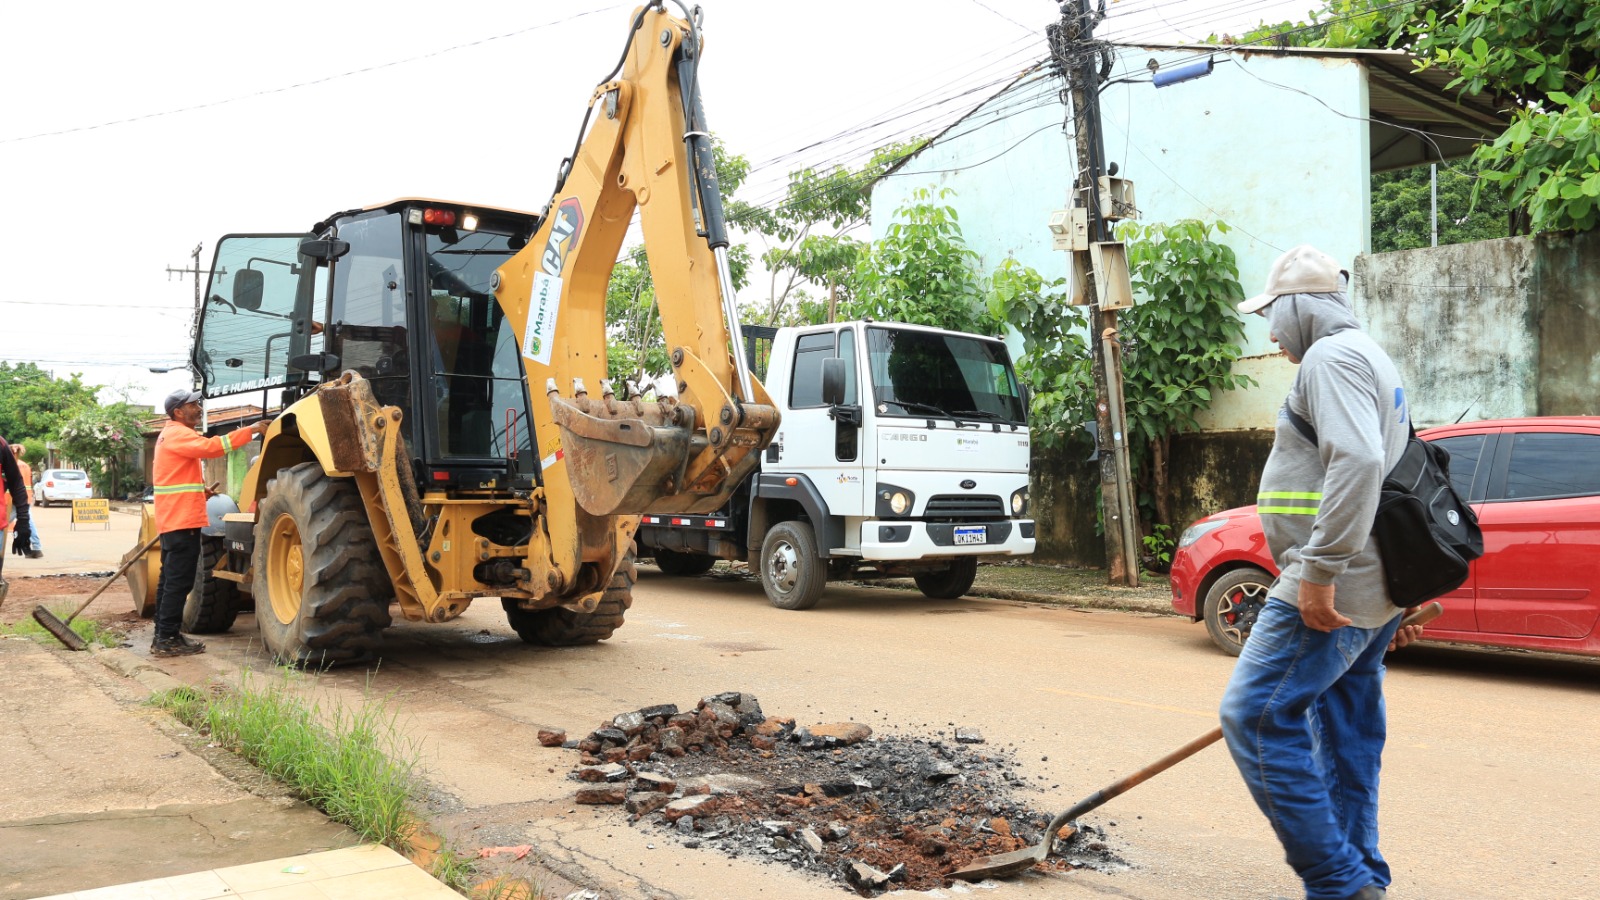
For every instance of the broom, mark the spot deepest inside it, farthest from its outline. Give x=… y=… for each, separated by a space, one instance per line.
x=63 y=630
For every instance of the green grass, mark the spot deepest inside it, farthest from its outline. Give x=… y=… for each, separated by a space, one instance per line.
x=354 y=766
x=91 y=631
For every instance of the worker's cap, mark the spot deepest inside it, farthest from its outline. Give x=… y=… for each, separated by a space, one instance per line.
x=179 y=397
x=1303 y=270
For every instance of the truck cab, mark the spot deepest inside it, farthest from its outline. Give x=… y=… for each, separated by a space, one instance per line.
x=903 y=451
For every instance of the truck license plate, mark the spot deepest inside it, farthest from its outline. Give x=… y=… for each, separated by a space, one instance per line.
x=972 y=534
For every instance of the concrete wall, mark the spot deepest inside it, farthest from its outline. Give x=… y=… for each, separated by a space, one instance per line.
x=1492 y=329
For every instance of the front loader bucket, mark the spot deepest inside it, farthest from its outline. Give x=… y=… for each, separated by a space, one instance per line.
x=627 y=457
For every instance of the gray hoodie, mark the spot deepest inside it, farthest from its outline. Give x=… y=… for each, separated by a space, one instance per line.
x=1317 y=501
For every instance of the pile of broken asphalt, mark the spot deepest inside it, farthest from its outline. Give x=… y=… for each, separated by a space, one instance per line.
x=872 y=812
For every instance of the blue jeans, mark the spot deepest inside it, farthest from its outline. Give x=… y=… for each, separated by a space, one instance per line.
x=1303 y=717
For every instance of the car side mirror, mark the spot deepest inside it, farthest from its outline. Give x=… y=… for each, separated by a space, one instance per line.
x=249 y=285
x=833 y=381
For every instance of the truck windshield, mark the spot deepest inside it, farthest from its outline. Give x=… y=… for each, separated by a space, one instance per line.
x=476 y=368
x=921 y=373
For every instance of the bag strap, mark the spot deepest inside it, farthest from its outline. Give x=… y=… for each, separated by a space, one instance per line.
x=1300 y=425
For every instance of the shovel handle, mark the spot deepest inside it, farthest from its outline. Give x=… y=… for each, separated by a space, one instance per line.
x=118 y=574
x=1425 y=613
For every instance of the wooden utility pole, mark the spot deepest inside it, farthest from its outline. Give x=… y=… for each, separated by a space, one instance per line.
x=1078 y=57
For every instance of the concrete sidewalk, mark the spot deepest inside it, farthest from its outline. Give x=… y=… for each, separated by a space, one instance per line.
x=102 y=792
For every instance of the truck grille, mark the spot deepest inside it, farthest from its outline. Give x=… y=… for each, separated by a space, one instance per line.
x=965 y=506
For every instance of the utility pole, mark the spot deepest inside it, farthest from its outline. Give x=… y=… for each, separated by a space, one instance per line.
x=194 y=323
x=1078 y=56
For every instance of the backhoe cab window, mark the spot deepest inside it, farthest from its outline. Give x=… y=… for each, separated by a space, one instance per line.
x=925 y=374
x=367 y=320
x=247 y=326
x=480 y=401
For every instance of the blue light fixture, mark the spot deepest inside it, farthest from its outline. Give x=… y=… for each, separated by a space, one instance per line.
x=1164 y=77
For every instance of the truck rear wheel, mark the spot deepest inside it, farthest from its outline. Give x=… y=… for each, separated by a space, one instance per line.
x=213 y=603
x=792 y=573
x=558 y=627
x=950 y=583
x=673 y=562
x=322 y=593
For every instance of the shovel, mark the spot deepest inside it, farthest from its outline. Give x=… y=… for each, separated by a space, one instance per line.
x=1004 y=865
x=63 y=630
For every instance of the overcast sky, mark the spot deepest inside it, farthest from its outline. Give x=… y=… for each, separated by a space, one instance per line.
x=130 y=133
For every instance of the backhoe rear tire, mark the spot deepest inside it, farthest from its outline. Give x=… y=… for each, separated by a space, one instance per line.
x=949 y=583
x=213 y=603
x=674 y=562
x=322 y=593
x=559 y=627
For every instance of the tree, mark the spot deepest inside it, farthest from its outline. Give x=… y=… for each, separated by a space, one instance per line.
x=34 y=404
x=1402 y=204
x=922 y=272
x=1055 y=363
x=1538 y=56
x=838 y=199
x=99 y=437
x=635 y=345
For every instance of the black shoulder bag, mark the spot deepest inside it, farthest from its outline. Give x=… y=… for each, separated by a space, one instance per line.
x=1426 y=536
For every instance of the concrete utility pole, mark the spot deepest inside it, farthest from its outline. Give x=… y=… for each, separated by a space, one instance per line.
x=1078 y=56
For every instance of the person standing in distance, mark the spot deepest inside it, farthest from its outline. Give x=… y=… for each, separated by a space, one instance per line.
x=35 y=547
x=180 y=496
x=1303 y=714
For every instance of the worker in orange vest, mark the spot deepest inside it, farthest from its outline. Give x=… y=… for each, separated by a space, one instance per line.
x=181 y=494
x=34 y=547
x=13 y=503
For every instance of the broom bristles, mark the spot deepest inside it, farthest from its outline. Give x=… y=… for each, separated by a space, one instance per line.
x=60 y=629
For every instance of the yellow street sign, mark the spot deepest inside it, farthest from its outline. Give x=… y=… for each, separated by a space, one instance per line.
x=84 y=511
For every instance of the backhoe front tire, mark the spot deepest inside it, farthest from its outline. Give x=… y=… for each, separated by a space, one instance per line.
x=674 y=562
x=322 y=593
x=213 y=603
x=949 y=583
x=559 y=627
x=792 y=573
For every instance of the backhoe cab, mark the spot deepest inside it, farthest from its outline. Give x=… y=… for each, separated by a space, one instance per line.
x=447 y=431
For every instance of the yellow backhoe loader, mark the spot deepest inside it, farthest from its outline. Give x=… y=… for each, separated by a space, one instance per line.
x=447 y=431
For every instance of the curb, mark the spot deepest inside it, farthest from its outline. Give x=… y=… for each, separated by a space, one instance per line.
x=129 y=665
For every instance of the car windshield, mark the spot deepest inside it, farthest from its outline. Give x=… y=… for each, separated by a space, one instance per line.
x=921 y=373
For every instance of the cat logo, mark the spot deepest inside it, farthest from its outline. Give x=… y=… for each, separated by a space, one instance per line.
x=564 y=231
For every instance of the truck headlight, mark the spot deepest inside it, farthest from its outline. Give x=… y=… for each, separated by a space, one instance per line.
x=1019 y=502
x=899 y=503
x=894 y=501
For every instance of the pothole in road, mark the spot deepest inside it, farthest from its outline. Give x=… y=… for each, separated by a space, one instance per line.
x=873 y=812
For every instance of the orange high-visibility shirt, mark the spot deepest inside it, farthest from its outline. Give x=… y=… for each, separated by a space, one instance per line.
x=180 y=483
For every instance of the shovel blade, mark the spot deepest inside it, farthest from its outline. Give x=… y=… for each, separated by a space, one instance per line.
x=1002 y=865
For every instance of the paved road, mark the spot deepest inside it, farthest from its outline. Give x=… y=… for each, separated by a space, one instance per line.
x=70 y=550
x=1491 y=785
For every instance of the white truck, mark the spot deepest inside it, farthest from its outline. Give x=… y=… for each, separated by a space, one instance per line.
x=903 y=451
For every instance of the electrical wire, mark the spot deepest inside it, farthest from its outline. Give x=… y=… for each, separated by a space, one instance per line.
x=304 y=84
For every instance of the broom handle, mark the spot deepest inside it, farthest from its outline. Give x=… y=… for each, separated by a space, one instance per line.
x=101 y=589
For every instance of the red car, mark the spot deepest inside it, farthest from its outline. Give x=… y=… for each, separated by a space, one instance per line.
x=1535 y=485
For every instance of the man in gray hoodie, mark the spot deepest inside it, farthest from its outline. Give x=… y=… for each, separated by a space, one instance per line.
x=1303 y=713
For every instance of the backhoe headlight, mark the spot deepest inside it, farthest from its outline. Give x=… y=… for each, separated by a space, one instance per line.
x=1019 y=502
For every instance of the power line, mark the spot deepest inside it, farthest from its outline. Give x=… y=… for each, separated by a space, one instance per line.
x=304 y=84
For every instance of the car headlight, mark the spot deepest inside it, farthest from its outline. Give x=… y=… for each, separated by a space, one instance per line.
x=899 y=503
x=1199 y=530
x=1019 y=502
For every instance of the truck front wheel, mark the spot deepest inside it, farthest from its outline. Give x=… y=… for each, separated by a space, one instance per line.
x=559 y=627
x=322 y=593
x=950 y=583
x=791 y=572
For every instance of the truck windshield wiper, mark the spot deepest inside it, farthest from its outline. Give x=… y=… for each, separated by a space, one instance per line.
x=925 y=407
x=981 y=414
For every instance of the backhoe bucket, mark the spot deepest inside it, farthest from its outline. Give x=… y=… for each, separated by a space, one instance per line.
x=623 y=456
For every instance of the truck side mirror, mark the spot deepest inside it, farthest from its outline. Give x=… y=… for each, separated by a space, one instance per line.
x=248 y=287
x=833 y=381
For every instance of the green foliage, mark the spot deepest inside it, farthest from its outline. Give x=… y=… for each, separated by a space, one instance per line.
x=838 y=198
x=922 y=272
x=1159 y=545
x=1540 y=57
x=91 y=631
x=1055 y=361
x=1182 y=338
x=34 y=404
x=100 y=438
x=1402 y=202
